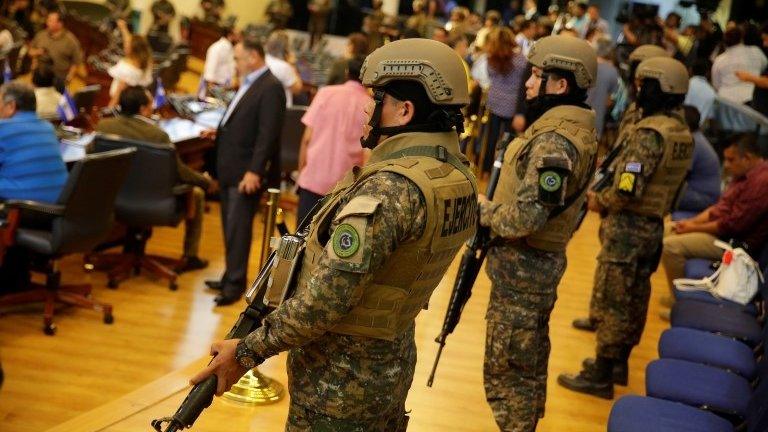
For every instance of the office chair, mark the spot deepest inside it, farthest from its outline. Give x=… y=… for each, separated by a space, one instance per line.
x=152 y=195
x=78 y=221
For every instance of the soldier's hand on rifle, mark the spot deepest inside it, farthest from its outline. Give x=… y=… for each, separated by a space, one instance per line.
x=592 y=203
x=224 y=366
x=482 y=199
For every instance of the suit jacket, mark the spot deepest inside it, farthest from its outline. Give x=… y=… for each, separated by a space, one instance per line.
x=250 y=139
x=141 y=130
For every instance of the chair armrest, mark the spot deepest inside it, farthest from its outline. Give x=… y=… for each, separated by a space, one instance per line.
x=181 y=189
x=35 y=206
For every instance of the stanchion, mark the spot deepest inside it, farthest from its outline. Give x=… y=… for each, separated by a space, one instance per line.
x=254 y=388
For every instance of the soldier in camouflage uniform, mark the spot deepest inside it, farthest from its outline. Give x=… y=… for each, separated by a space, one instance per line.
x=534 y=212
x=376 y=250
x=648 y=174
x=628 y=119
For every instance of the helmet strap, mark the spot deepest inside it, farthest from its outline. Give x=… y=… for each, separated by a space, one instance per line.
x=375 y=133
x=438 y=121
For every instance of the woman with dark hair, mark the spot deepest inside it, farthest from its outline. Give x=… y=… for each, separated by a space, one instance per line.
x=134 y=69
x=507 y=71
x=45 y=93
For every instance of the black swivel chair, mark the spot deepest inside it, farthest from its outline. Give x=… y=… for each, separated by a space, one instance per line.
x=80 y=219
x=152 y=195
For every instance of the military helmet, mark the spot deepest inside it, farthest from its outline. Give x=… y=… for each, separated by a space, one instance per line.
x=566 y=53
x=671 y=74
x=434 y=65
x=647 y=51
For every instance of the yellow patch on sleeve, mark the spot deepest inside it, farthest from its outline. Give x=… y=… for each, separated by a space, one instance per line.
x=627 y=183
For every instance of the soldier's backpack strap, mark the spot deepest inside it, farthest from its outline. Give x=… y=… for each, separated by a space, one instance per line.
x=438 y=152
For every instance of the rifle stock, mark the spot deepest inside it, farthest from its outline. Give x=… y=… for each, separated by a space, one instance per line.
x=471 y=262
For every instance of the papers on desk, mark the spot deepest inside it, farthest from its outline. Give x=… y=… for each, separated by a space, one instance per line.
x=179 y=129
x=210 y=119
x=73 y=149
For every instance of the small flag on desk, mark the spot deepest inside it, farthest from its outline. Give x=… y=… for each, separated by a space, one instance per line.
x=67 y=109
x=7 y=73
x=202 y=89
x=159 y=95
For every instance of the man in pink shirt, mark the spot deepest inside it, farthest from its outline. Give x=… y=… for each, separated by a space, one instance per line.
x=331 y=143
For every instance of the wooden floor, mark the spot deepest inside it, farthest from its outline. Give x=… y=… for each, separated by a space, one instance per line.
x=51 y=380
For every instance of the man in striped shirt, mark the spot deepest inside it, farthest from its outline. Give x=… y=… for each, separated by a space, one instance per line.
x=31 y=167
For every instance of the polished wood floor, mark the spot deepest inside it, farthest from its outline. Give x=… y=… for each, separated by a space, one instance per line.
x=157 y=332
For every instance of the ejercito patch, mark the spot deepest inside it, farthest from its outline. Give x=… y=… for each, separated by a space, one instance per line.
x=345 y=241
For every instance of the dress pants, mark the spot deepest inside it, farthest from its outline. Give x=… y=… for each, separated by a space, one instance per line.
x=237 y=213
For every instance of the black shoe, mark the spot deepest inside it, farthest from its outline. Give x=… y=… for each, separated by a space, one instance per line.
x=227 y=298
x=586 y=324
x=619 y=374
x=594 y=380
x=190 y=264
x=213 y=284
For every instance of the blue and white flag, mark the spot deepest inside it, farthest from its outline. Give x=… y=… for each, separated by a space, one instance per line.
x=159 y=95
x=202 y=89
x=67 y=109
x=7 y=73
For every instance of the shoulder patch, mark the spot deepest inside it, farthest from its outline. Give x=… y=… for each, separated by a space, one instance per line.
x=550 y=181
x=345 y=240
x=627 y=183
x=633 y=167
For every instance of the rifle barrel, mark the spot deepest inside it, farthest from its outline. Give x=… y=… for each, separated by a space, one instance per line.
x=431 y=378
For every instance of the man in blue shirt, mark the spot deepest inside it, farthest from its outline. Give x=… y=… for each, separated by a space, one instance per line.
x=31 y=167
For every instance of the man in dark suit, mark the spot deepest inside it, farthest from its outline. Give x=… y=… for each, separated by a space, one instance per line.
x=248 y=160
x=134 y=123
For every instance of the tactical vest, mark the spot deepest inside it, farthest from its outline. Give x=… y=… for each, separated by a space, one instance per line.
x=577 y=125
x=662 y=189
x=402 y=287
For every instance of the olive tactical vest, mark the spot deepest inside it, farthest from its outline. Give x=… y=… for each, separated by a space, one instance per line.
x=577 y=125
x=403 y=286
x=662 y=189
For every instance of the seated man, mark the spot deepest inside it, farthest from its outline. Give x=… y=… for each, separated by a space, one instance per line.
x=134 y=123
x=31 y=167
x=740 y=214
x=703 y=187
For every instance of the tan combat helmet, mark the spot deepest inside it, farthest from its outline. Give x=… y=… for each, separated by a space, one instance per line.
x=671 y=74
x=566 y=53
x=431 y=63
x=647 y=51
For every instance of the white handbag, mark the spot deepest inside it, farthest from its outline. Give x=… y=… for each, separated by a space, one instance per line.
x=736 y=279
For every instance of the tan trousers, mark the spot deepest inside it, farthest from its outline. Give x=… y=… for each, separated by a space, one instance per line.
x=680 y=247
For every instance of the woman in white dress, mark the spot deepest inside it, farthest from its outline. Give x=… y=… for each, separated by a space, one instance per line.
x=133 y=69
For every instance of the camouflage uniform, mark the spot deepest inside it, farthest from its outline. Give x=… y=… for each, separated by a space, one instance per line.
x=522 y=296
x=340 y=382
x=631 y=248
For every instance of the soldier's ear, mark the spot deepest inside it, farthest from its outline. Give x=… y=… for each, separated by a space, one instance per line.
x=407 y=113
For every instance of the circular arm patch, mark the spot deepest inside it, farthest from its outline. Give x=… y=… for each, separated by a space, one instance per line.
x=550 y=181
x=345 y=241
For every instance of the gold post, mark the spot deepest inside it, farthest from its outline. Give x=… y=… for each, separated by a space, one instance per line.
x=270 y=218
x=254 y=388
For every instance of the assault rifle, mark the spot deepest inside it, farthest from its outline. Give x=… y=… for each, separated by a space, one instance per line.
x=471 y=261
x=602 y=179
x=603 y=176
x=289 y=250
